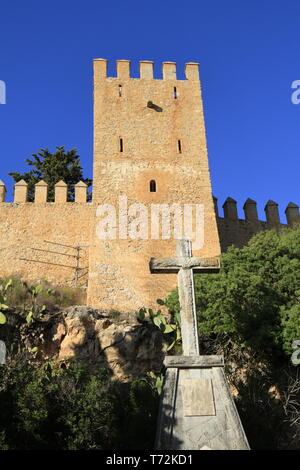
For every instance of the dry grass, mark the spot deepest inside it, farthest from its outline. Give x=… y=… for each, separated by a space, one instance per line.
x=20 y=295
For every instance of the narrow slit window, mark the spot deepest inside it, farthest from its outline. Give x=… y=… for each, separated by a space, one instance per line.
x=121 y=144
x=175 y=92
x=120 y=90
x=179 y=146
x=152 y=186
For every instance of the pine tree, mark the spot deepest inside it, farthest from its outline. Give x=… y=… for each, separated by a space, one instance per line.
x=53 y=167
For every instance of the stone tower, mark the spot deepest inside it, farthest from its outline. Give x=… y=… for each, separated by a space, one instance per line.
x=149 y=150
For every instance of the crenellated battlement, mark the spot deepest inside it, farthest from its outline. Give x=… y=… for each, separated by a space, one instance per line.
x=230 y=212
x=250 y=211
x=235 y=231
x=150 y=146
x=169 y=70
x=41 y=192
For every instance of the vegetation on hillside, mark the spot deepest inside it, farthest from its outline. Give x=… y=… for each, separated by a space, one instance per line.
x=44 y=406
x=31 y=301
x=63 y=405
x=251 y=313
x=27 y=310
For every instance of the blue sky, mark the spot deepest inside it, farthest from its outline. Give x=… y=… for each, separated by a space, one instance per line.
x=248 y=53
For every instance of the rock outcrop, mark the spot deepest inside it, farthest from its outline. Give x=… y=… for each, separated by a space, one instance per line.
x=124 y=346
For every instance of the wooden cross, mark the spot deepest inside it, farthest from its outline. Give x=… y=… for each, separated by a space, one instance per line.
x=185 y=265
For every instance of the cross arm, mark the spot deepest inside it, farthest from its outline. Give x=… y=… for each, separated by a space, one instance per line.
x=173 y=265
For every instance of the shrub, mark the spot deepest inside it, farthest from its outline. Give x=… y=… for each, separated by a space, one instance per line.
x=48 y=407
x=255 y=298
x=250 y=312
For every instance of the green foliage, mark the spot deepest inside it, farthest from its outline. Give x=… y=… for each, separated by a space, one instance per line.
x=31 y=308
x=250 y=312
x=71 y=408
x=23 y=297
x=3 y=445
x=137 y=405
x=53 y=167
x=261 y=413
x=255 y=298
x=159 y=320
x=290 y=321
x=4 y=288
x=36 y=310
x=156 y=381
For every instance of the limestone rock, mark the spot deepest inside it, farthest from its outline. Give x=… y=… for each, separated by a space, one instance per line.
x=125 y=347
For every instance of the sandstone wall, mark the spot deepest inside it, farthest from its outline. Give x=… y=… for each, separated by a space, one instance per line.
x=145 y=131
x=26 y=230
x=237 y=232
x=138 y=125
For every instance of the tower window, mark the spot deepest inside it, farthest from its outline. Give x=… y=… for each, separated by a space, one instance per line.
x=121 y=144
x=179 y=146
x=175 y=92
x=120 y=90
x=152 y=186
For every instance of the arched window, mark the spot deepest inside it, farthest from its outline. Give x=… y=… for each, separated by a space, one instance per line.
x=152 y=186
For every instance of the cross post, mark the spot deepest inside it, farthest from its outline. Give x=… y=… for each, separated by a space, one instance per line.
x=196 y=410
x=186 y=265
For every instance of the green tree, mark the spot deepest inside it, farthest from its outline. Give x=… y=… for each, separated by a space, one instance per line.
x=255 y=298
x=53 y=167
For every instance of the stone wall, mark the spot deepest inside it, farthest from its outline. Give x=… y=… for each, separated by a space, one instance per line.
x=38 y=239
x=237 y=232
x=146 y=130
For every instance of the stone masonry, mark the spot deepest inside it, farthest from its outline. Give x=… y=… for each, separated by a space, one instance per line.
x=119 y=271
x=149 y=148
